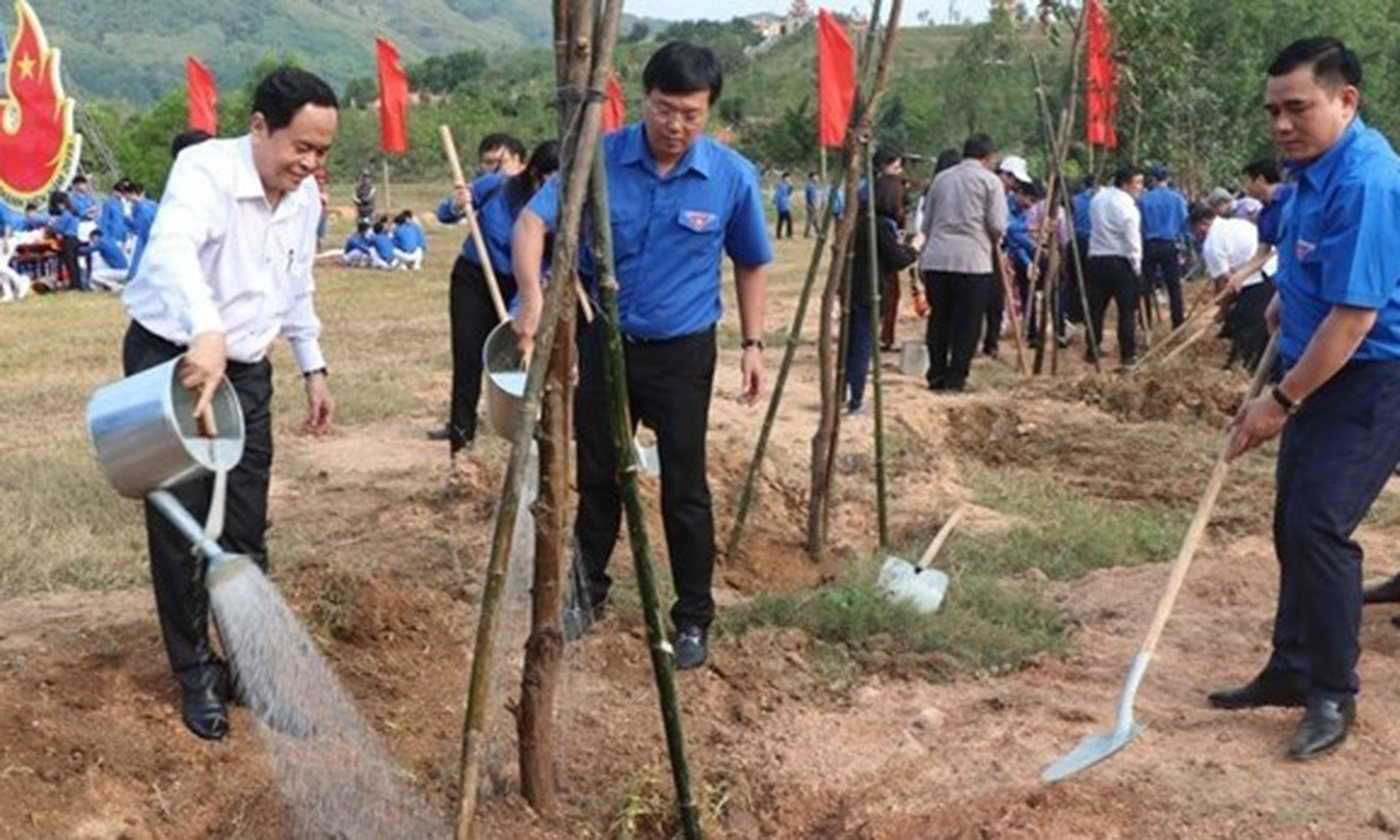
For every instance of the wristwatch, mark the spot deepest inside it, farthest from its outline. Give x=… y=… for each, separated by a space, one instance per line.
x=752 y=342
x=1290 y=405
x=311 y=373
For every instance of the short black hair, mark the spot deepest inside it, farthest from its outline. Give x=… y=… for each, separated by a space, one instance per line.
x=978 y=147
x=1264 y=167
x=362 y=228
x=33 y=205
x=404 y=215
x=501 y=140
x=137 y=187
x=1033 y=189
x=285 y=91
x=1090 y=181
x=681 y=67
x=1200 y=212
x=58 y=201
x=380 y=224
x=1332 y=62
x=811 y=174
x=185 y=139
x=884 y=156
x=947 y=158
x=1125 y=174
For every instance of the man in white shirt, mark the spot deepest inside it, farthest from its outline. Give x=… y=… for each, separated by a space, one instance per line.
x=1227 y=247
x=226 y=270
x=1115 y=261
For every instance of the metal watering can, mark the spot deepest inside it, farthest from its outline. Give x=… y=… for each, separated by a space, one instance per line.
x=144 y=435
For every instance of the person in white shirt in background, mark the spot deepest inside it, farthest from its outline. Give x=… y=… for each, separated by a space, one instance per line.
x=1115 y=261
x=13 y=285
x=226 y=270
x=1227 y=247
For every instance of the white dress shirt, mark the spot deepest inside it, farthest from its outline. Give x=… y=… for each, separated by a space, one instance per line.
x=222 y=259
x=1117 y=226
x=1230 y=243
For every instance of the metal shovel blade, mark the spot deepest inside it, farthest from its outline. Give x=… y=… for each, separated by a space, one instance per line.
x=1096 y=748
x=903 y=581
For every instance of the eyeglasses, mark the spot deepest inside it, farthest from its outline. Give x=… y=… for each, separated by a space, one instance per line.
x=665 y=114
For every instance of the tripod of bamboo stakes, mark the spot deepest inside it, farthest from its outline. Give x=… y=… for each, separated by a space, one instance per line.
x=592 y=46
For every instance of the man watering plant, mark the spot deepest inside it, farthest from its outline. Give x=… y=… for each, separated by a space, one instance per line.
x=228 y=269
x=679 y=203
x=1337 y=406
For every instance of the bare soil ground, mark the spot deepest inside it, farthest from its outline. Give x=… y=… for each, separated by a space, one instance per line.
x=385 y=563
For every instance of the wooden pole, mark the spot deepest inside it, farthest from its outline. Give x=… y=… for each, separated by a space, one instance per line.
x=544 y=649
x=388 y=195
x=449 y=146
x=574 y=182
x=881 y=510
x=794 y=338
x=662 y=661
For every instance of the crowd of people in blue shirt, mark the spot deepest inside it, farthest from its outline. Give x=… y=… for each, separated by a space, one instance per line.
x=388 y=244
x=74 y=241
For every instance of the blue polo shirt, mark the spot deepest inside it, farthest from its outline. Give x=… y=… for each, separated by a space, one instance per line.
x=384 y=246
x=66 y=224
x=83 y=204
x=838 y=203
x=670 y=233
x=1163 y=214
x=494 y=217
x=1271 y=216
x=1080 y=204
x=409 y=237
x=782 y=197
x=111 y=252
x=112 y=222
x=1019 y=244
x=811 y=193
x=143 y=215
x=357 y=244
x=1338 y=244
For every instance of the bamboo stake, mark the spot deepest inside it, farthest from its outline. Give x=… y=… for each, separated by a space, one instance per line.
x=566 y=249
x=825 y=440
x=615 y=371
x=1009 y=292
x=388 y=196
x=881 y=510
x=794 y=338
x=544 y=649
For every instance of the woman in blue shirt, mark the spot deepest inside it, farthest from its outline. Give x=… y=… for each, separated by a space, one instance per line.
x=498 y=199
x=409 y=242
x=383 y=242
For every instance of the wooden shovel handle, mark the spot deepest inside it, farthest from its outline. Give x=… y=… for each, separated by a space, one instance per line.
x=943 y=534
x=450 y=147
x=1182 y=563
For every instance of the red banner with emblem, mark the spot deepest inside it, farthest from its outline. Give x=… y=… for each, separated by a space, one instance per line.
x=39 y=149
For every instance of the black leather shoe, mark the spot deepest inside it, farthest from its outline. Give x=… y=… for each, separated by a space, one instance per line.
x=440 y=433
x=1324 y=727
x=1270 y=688
x=203 y=710
x=691 y=648
x=1386 y=592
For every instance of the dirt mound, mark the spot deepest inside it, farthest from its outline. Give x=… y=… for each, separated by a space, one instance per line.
x=1175 y=395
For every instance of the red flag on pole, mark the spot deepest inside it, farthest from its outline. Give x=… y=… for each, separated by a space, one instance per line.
x=615 y=108
x=393 y=99
x=836 y=80
x=203 y=97
x=1102 y=77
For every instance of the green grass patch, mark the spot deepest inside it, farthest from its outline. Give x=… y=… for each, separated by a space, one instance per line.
x=987 y=621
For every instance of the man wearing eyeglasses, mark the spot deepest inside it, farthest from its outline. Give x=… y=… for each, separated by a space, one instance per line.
x=679 y=203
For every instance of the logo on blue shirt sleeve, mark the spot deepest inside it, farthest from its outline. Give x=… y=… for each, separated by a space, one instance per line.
x=698 y=220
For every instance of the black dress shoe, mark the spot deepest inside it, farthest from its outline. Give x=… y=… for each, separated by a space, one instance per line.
x=1324 y=727
x=691 y=648
x=203 y=710
x=1387 y=592
x=440 y=433
x=1270 y=688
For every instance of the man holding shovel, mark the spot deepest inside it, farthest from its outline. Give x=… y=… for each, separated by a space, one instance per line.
x=228 y=269
x=679 y=202
x=1337 y=406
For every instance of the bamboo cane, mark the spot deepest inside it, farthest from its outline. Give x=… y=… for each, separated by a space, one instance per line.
x=566 y=245
x=881 y=511
x=794 y=338
x=615 y=370
x=1166 y=342
x=1009 y=293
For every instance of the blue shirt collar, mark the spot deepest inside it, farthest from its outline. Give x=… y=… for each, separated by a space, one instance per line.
x=1319 y=171
x=636 y=152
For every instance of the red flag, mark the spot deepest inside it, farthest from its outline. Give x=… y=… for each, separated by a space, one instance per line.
x=393 y=99
x=204 y=97
x=615 y=108
x=1102 y=77
x=836 y=80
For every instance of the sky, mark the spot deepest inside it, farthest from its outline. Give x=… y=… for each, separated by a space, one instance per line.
x=725 y=9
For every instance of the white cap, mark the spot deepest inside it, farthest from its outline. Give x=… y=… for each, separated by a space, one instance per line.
x=1015 y=167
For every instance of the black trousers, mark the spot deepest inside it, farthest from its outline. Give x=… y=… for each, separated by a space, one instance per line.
x=784 y=223
x=69 y=247
x=1113 y=279
x=473 y=316
x=1336 y=455
x=959 y=305
x=669 y=385
x=995 y=312
x=181 y=600
x=1160 y=264
x=1248 y=331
